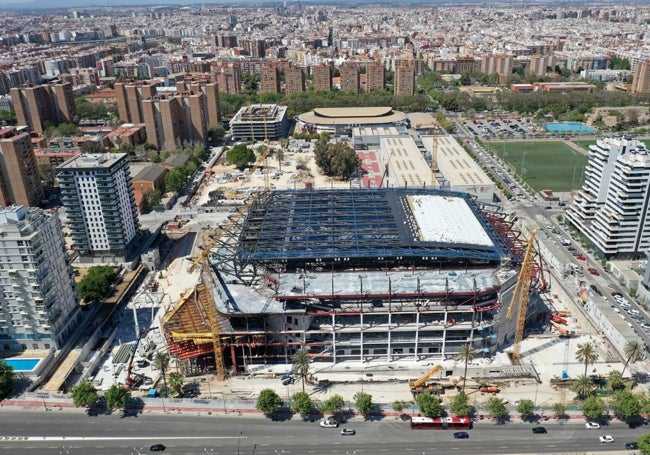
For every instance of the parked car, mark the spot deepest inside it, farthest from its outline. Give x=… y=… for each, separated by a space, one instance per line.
x=539 y=430
x=592 y=425
x=157 y=448
x=606 y=438
x=580 y=257
x=348 y=432
x=461 y=435
x=593 y=271
x=631 y=445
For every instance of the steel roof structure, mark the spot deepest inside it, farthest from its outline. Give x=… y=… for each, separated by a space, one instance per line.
x=343 y=229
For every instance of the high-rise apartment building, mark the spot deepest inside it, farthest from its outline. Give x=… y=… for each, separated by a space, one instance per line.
x=349 y=78
x=225 y=40
x=20 y=182
x=229 y=80
x=540 y=64
x=641 y=80
x=129 y=97
x=269 y=79
x=374 y=77
x=611 y=209
x=38 y=306
x=97 y=193
x=405 y=79
x=211 y=92
x=322 y=77
x=294 y=80
x=39 y=104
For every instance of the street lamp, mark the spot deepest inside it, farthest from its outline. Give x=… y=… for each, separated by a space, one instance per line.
x=239 y=441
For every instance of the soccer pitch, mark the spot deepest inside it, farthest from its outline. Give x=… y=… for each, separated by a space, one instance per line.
x=544 y=165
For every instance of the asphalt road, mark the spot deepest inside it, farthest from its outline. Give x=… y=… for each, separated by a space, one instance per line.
x=76 y=433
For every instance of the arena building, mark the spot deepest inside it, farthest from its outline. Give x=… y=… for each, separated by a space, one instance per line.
x=386 y=274
x=339 y=121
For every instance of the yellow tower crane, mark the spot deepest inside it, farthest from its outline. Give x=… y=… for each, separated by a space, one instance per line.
x=520 y=296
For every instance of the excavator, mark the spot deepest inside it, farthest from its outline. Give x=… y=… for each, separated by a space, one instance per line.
x=421 y=386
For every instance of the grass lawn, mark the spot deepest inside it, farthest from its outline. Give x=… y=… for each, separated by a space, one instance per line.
x=546 y=165
x=584 y=144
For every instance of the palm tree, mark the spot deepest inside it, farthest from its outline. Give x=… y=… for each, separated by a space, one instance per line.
x=583 y=386
x=634 y=352
x=466 y=354
x=161 y=362
x=279 y=155
x=615 y=380
x=587 y=354
x=301 y=361
x=176 y=382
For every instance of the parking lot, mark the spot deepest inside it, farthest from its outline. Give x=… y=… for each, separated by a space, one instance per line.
x=503 y=127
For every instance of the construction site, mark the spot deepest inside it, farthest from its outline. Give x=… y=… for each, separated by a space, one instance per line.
x=368 y=275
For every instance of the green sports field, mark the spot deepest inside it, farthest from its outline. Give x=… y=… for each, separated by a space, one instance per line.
x=545 y=165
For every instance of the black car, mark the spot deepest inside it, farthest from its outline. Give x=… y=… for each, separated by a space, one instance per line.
x=539 y=430
x=157 y=448
x=631 y=445
x=461 y=435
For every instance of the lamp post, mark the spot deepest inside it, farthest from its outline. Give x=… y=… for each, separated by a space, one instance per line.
x=239 y=441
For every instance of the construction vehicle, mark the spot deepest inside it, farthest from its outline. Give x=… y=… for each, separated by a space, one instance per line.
x=131 y=379
x=421 y=386
x=528 y=277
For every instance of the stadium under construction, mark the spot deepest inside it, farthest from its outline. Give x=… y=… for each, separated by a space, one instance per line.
x=350 y=275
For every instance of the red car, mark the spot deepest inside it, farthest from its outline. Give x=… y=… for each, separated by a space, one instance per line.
x=581 y=258
x=593 y=271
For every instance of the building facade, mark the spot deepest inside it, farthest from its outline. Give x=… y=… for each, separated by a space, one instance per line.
x=260 y=122
x=97 y=192
x=38 y=305
x=374 y=77
x=294 y=79
x=641 y=80
x=350 y=78
x=37 y=105
x=322 y=77
x=611 y=209
x=20 y=182
x=405 y=79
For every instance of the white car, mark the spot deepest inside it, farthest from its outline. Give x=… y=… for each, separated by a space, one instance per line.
x=329 y=423
x=606 y=438
x=592 y=425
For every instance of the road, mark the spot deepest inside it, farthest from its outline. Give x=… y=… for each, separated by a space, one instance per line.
x=76 y=433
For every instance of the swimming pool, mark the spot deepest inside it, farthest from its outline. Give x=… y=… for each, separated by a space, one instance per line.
x=569 y=127
x=20 y=364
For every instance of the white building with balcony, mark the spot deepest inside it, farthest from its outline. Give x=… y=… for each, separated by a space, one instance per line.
x=611 y=210
x=38 y=304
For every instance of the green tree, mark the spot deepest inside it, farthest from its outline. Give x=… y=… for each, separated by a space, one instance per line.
x=279 y=155
x=152 y=197
x=216 y=133
x=7 y=379
x=497 y=408
x=363 y=403
x=161 y=362
x=336 y=160
x=466 y=354
x=117 y=397
x=301 y=361
x=97 y=282
x=583 y=386
x=634 y=351
x=176 y=380
x=84 y=394
x=301 y=403
x=593 y=408
x=587 y=354
x=332 y=405
x=240 y=156
x=429 y=405
x=268 y=401
x=47 y=173
x=625 y=404
x=526 y=408
x=176 y=179
x=615 y=380
x=644 y=444
x=460 y=405
x=559 y=410
x=67 y=129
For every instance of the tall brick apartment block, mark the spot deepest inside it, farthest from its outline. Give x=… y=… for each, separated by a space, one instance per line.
x=20 y=183
x=37 y=104
x=129 y=99
x=349 y=78
x=294 y=79
x=405 y=79
x=322 y=77
x=269 y=79
x=641 y=80
x=374 y=77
